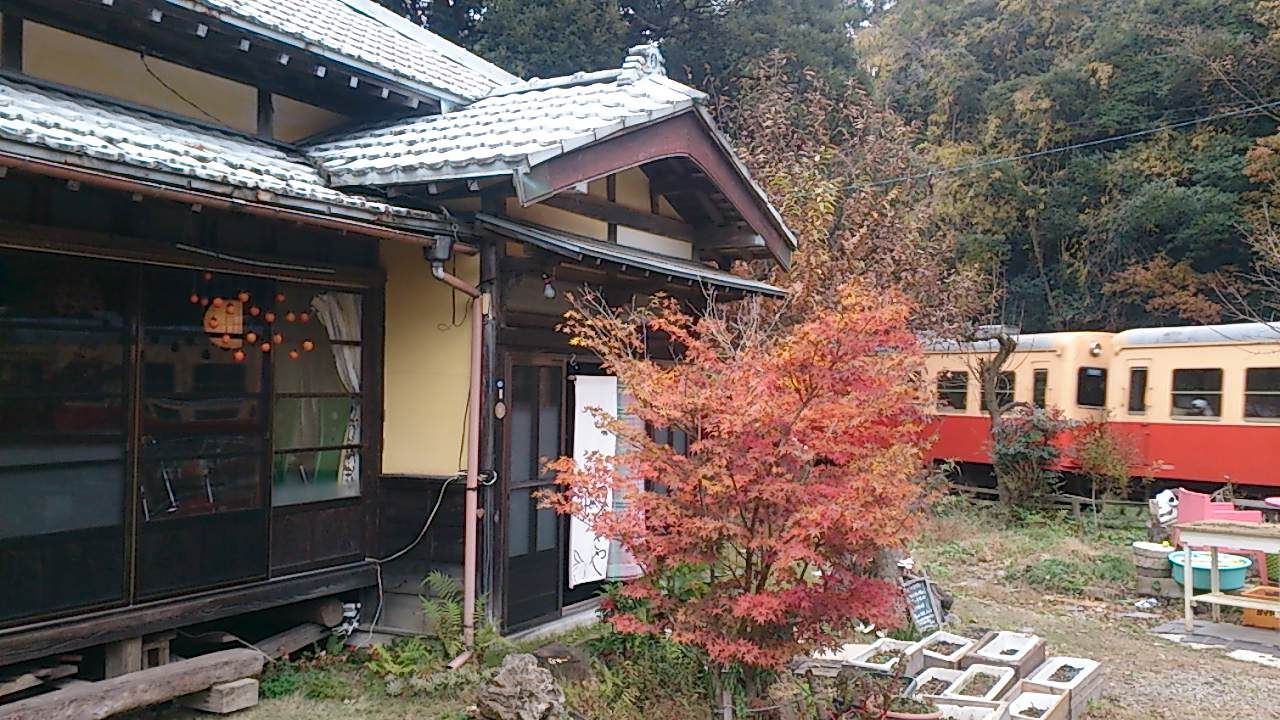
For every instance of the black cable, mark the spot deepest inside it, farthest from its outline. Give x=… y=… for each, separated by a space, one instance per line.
x=147 y=66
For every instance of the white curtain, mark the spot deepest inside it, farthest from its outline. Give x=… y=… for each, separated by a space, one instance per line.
x=339 y=313
x=589 y=553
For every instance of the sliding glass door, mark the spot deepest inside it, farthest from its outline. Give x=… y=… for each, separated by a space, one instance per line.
x=64 y=359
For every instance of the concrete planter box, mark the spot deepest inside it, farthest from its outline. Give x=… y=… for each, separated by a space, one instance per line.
x=935 y=659
x=1079 y=690
x=936 y=676
x=1028 y=703
x=1023 y=652
x=908 y=654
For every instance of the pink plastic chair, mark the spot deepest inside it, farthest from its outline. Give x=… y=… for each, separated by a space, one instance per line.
x=1194 y=506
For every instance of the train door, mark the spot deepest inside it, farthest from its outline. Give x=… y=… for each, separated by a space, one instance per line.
x=1041 y=384
x=1136 y=410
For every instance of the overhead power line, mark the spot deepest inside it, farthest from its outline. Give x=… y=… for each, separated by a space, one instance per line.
x=979 y=164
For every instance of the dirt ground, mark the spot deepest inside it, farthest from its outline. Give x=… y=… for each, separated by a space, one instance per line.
x=1144 y=676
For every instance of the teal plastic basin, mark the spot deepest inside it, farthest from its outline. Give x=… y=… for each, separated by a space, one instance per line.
x=1232 y=570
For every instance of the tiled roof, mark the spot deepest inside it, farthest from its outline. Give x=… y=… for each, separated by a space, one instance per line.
x=511 y=129
x=363 y=31
x=43 y=123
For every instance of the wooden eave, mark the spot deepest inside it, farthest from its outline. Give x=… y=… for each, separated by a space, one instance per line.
x=688 y=135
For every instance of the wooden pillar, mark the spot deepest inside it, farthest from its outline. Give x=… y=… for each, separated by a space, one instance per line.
x=490 y=424
x=266 y=115
x=122 y=657
x=11 y=42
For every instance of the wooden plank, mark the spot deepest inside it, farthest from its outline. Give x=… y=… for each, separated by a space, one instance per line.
x=292 y=640
x=30 y=642
x=16 y=684
x=1221 y=598
x=99 y=700
x=224 y=698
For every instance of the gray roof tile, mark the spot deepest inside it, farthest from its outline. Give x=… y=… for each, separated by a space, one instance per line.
x=511 y=129
x=36 y=119
x=365 y=32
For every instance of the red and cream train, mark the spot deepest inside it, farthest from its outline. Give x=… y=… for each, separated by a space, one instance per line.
x=1201 y=404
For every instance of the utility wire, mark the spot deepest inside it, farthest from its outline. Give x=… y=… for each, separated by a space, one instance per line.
x=1061 y=149
x=147 y=66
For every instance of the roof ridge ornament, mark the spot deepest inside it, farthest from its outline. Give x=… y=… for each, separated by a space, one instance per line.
x=642 y=61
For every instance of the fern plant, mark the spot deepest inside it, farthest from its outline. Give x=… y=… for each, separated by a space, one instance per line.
x=442 y=608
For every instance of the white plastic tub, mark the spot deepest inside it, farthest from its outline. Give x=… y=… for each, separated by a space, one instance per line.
x=1088 y=668
x=1046 y=702
x=946 y=675
x=883 y=645
x=998 y=711
x=933 y=658
x=1004 y=678
x=1008 y=647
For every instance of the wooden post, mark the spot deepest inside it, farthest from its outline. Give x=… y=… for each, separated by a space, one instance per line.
x=1187 y=581
x=1215 y=584
x=266 y=115
x=11 y=42
x=122 y=657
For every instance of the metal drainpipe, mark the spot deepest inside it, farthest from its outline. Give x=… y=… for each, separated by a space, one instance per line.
x=470 y=546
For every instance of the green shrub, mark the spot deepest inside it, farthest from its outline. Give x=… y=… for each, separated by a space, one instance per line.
x=1023 y=454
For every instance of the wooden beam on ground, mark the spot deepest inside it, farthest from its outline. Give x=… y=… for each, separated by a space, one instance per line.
x=292 y=640
x=35 y=678
x=95 y=701
x=609 y=212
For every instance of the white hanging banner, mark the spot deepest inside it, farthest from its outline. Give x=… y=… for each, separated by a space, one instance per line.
x=589 y=553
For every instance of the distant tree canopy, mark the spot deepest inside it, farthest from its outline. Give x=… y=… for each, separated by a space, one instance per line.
x=708 y=37
x=1138 y=231
x=1101 y=236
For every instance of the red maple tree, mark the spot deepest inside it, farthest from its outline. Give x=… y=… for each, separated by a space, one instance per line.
x=805 y=453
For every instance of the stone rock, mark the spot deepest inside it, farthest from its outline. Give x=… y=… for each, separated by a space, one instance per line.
x=521 y=691
x=566 y=663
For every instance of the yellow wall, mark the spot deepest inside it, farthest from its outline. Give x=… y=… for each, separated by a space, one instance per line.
x=633 y=192
x=558 y=219
x=427 y=365
x=295 y=120
x=61 y=57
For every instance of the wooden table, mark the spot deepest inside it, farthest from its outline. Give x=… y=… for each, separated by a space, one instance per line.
x=1211 y=535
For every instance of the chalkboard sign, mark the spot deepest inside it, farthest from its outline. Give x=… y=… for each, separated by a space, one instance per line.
x=926 y=612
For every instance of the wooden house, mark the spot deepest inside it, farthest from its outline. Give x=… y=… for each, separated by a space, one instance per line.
x=263 y=264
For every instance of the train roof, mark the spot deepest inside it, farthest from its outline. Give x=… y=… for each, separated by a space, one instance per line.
x=1029 y=342
x=1200 y=334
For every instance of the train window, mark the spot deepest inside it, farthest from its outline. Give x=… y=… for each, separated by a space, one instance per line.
x=1091 y=387
x=953 y=391
x=1197 y=393
x=1137 y=390
x=1039 y=387
x=1262 y=393
x=1005 y=382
